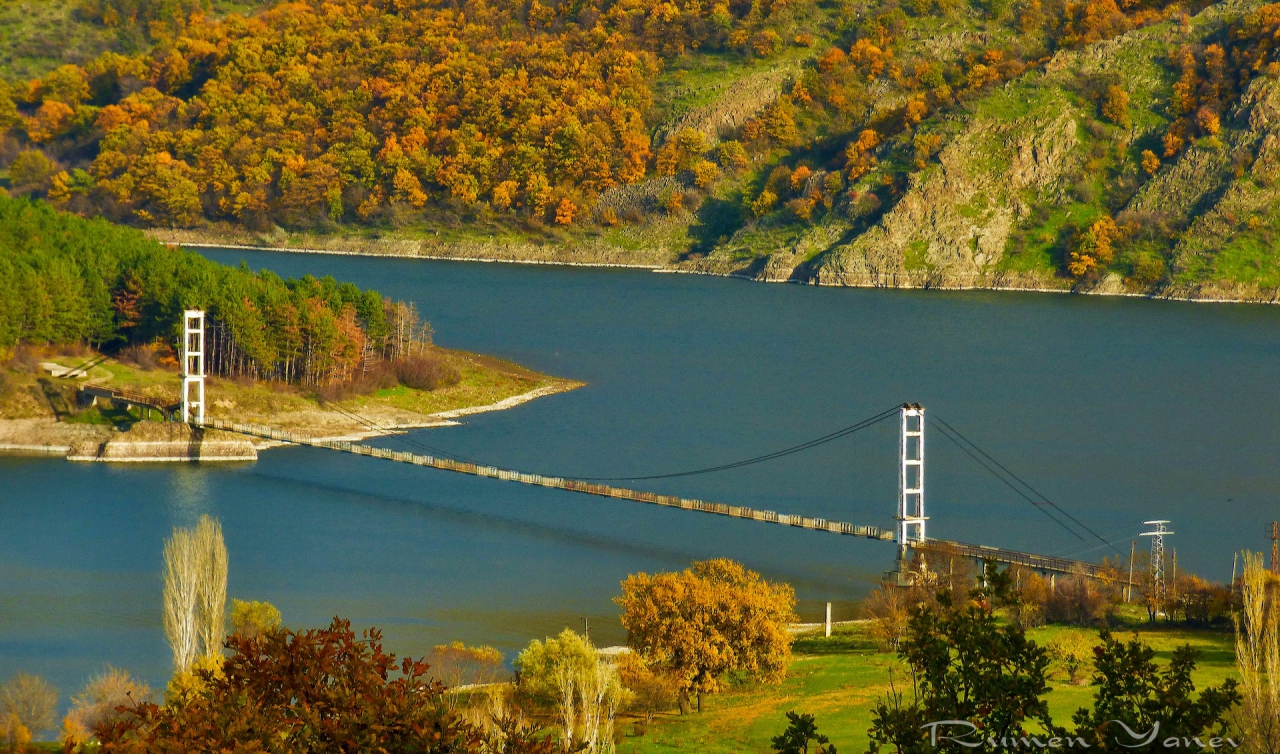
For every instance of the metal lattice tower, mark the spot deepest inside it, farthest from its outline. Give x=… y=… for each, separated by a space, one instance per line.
x=911 y=518
x=193 y=366
x=1157 y=560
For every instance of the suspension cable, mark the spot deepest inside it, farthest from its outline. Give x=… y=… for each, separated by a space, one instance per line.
x=851 y=429
x=1009 y=484
x=1031 y=489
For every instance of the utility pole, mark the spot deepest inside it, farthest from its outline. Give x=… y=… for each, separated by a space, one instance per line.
x=1128 y=590
x=1157 y=561
x=586 y=629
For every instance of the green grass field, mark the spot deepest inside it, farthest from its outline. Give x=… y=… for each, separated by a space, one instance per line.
x=838 y=680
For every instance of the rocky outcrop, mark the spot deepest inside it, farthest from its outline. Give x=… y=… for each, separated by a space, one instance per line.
x=153 y=442
x=736 y=102
x=951 y=227
x=1252 y=195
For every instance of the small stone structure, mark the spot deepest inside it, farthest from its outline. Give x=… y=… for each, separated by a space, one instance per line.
x=155 y=442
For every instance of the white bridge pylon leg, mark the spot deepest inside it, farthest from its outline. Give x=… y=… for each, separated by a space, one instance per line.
x=193 y=366
x=911 y=513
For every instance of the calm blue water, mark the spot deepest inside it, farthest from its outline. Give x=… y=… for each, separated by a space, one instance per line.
x=1120 y=410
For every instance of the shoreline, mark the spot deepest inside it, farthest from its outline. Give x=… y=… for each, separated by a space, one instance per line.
x=439 y=419
x=403 y=255
x=1272 y=300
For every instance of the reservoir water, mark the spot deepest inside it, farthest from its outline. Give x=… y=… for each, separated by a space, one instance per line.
x=1119 y=410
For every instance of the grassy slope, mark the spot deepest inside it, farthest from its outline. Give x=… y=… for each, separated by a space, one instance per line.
x=839 y=680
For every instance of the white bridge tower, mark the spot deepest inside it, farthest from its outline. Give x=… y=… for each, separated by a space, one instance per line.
x=911 y=517
x=193 y=366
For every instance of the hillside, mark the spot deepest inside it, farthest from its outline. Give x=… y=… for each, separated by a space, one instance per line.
x=1042 y=144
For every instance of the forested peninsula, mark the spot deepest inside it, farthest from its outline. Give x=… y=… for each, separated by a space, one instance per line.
x=87 y=301
x=1107 y=146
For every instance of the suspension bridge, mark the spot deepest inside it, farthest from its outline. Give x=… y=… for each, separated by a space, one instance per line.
x=909 y=533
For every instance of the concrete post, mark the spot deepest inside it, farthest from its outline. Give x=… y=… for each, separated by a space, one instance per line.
x=828 y=620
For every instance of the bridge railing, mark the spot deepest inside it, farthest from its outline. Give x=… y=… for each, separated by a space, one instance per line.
x=1046 y=563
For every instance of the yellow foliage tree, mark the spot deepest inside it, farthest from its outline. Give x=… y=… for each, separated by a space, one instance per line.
x=1258 y=657
x=16 y=735
x=708 y=620
x=1115 y=106
x=1150 y=162
x=1092 y=249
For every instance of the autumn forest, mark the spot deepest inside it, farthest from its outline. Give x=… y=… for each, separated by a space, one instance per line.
x=346 y=112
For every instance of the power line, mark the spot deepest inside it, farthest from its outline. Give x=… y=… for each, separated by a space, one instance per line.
x=1009 y=484
x=865 y=423
x=1033 y=490
x=1110 y=535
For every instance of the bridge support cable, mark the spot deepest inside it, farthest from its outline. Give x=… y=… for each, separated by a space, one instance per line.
x=1007 y=483
x=1043 y=499
x=849 y=430
x=572 y=485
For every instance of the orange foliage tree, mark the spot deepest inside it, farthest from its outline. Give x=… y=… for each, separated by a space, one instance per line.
x=708 y=620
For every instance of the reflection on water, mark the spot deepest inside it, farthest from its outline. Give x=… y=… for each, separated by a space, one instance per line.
x=1119 y=410
x=189 y=494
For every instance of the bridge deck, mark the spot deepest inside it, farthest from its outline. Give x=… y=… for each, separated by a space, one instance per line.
x=1045 y=563
x=572 y=485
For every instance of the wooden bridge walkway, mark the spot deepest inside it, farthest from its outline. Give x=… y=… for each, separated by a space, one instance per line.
x=572 y=485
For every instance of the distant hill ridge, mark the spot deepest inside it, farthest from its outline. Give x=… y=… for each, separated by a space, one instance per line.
x=1125 y=148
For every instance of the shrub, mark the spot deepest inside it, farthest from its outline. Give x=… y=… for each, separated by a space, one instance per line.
x=1150 y=162
x=30 y=170
x=1115 y=106
x=457 y=664
x=14 y=734
x=1072 y=652
x=652 y=690
x=425 y=372
x=94 y=708
x=141 y=356
x=1032 y=594
x=801 y=731
x=1148 y=269
x=1080 y=600
x=25 y=359
x=250 y=619
x=887 y=609
x=732 y=156
x=324 y=691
